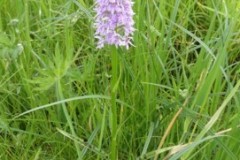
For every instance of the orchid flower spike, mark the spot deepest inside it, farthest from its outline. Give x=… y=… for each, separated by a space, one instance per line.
x=114 y=22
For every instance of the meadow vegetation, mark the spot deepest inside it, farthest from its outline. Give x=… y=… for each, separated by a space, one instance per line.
x=177 y=89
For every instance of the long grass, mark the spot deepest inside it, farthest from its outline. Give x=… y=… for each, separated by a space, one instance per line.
x=173 y=95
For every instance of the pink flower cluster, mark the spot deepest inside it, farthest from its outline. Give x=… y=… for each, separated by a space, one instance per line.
x=114 y=22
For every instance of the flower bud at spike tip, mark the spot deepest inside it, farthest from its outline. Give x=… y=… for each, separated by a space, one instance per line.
x=114 y=22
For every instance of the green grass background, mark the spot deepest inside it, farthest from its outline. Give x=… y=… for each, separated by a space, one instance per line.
x=174 y=95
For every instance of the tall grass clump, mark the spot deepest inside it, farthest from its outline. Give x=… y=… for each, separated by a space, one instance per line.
x=173 y=94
